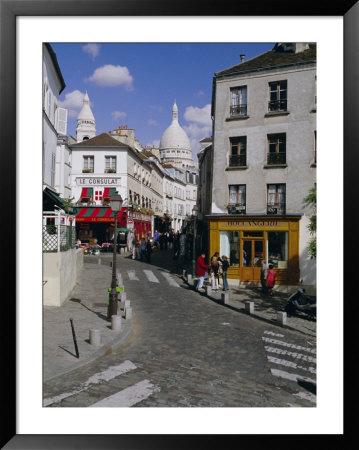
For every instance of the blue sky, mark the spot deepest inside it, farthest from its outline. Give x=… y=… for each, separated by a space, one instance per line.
x=136 y=84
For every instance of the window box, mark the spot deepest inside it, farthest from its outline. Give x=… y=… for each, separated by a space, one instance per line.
x=87 y=170
x=111 y=170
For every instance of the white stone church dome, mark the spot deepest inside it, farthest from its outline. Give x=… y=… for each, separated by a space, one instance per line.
x=174 y=137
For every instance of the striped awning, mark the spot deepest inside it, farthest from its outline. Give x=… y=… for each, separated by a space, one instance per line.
x=97 y=214
x=109 y=192
x=86 y=192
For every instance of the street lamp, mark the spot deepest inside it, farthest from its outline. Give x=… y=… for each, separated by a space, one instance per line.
x=194 y=213
x=116 y=205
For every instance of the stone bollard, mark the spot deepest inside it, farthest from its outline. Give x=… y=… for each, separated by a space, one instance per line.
x=128 y=313
x=95 y=337
x=116 y=322
x=99 y=261
x=208 y=290
x=282 y=317
x=123 y=296
x=126 y=304
x=184 y=272
x=249 y=307
x=189 y=279
x=225 y=297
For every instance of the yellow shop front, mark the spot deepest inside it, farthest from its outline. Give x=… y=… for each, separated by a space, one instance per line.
x=248 y=240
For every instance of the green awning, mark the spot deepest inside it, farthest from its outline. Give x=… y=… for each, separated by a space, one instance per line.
x=55 y=198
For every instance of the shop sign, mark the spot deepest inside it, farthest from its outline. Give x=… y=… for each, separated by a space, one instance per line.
x=253 y=223
x=94 y=181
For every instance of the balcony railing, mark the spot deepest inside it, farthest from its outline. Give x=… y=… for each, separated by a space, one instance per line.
x=276 y=158
x=277 y=209
x=237 y=160
x=238 y=110
x=277 y=105
x=239 y=208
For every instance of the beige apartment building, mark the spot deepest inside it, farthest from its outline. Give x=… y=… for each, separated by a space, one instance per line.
x=263 y=160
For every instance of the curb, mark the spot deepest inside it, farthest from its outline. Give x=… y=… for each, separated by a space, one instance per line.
x=241 y=310
x=102 y=351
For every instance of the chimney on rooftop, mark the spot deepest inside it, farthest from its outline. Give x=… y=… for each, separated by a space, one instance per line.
x=242 y=57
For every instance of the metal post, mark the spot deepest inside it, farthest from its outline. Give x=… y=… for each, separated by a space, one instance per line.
x=194 y=248
x=113 y=294
x=74 y=338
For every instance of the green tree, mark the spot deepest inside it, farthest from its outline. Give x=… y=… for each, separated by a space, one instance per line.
x=68 y=204
x=311 y=200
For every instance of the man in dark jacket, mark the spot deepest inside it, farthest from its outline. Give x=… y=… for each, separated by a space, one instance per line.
x=201 y=270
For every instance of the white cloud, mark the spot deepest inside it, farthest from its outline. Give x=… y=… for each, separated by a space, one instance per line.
x=200 y=93
x=152 y=123
x=73 y=102
x=118 y=115
x=92 y=49
x=199 y=125
x=201 y=116
x=111 y=76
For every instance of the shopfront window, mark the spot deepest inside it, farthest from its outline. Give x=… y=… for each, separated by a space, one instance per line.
x=229 y=246
x=278 y=249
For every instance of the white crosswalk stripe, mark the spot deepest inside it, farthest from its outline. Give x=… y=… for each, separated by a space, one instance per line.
x=286 y=354
x=106 y=375
x=129 y=396
x=132 y=275
x=170 y=280
x=151 y=276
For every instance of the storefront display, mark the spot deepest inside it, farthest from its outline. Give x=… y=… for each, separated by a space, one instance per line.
x=248 y=240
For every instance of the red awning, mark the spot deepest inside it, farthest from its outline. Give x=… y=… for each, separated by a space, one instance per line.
x=98 y=214
x=108 y=192
x=86 y=192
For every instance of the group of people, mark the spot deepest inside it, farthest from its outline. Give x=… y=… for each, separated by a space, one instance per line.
x=141 y=249
x=267 y=278
x=217 y=267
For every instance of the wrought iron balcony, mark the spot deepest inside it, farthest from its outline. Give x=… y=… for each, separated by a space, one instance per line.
x=277 y=209
x=238 y=208
x=277 y=105
x=238 y=110
x=237 y=160
x=276 y=158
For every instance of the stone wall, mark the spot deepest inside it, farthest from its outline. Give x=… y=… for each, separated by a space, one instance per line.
x=61 y=271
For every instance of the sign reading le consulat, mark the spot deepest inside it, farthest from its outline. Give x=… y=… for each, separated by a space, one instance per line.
x=98 y=181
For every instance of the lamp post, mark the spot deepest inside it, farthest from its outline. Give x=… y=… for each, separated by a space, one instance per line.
x=194 y=213
x=116 y=205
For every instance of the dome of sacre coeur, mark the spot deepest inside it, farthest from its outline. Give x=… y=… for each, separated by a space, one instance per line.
x=86 y=113
x=174 y=137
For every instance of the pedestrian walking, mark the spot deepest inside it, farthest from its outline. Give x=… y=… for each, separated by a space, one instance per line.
x=143 y=249
x=270 y=280
x=175 y=246
x=134 y=246
x=225 y=265
x=201 y=270
x=214 y=271
x=264 y=271
x=148 y=250
x=182 y=243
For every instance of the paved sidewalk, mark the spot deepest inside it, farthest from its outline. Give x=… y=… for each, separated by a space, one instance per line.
x=87 y=307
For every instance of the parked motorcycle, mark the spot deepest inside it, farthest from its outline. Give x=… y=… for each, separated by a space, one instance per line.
x=301 y=303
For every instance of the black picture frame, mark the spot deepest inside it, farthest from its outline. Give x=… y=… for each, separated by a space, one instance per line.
x=9 y=10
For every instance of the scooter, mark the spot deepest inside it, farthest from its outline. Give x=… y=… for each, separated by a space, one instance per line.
x=302 y=303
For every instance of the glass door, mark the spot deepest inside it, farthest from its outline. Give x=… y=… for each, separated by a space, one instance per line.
x=251 y=253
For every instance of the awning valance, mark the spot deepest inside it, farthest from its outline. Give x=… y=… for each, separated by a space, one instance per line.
x=109 y=192
x=87 y=192
x=97 y=214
